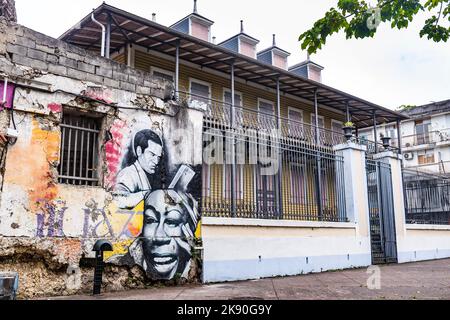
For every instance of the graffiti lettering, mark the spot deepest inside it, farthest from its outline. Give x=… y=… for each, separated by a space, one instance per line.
x=50 y=218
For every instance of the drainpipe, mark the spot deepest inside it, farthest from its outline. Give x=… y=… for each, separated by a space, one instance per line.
x=103 y=33
x=375 y=131
x=108 y=38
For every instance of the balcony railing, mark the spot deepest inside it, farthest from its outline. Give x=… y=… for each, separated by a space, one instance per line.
x=427 y=197
x=426 y=138
x=219 y=115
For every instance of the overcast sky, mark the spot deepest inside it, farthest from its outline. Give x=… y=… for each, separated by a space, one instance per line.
x=394 y=68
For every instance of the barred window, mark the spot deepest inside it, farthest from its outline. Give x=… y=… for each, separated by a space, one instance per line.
x=79 y=149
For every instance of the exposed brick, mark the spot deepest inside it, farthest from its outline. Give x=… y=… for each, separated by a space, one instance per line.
x=26 y=42
x=127 y=86
x=86 y=67
x=74 y=56
x=51 y=58
x=36 y=54
x=68 y=62
x=76 y=74
x=57 y=69
x=143 y=90
x=135 y=80
x=45 y=49
x=37 y=64
x=16 y=49
x=25 y=61
x=96 y=79
x=106 y=72
x=111 y=83
x=119 y=76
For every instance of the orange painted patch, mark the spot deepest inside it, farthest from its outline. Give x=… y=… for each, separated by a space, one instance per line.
x=29 y=166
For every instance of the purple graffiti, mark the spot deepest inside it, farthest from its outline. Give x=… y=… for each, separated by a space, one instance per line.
x=93 y=219
x=50 y=218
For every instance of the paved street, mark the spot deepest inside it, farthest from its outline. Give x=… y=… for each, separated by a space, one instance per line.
x=425 y=280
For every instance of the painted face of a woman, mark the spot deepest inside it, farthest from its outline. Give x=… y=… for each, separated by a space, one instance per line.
x=162 y=231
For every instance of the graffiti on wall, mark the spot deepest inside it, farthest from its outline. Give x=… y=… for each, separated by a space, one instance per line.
x=148 y=201
x=50 y=218
x=170 y=214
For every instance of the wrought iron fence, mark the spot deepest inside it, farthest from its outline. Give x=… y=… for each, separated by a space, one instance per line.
x=381 y=212
x=427 y=197
x=307 y=182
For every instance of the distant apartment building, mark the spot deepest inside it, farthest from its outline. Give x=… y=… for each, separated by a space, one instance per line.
x=425 y=137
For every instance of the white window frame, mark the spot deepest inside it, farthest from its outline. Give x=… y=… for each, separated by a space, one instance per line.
x=313 y=123
x=238 y=93
x=333 y=121
x=268 y=102
x=296 y=110
x=163 y=71
x=289 y=118
x=207 y=105
x=202 y=83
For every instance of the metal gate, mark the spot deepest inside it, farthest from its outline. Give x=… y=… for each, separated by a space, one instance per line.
x=381 y=212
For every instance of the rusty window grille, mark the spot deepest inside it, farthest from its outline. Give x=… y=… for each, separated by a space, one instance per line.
x=79 y=150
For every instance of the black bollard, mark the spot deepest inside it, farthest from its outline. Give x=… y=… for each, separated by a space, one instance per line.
x=100 y=247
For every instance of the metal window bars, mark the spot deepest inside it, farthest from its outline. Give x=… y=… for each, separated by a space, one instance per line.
x=79 y=150
x=427 y=197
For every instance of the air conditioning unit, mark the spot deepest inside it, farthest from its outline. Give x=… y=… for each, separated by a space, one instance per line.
x=409 y=156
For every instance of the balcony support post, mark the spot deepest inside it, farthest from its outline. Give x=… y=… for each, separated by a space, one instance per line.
x=177 y=69
x=349 y=116
x=233 y=144
x=280 y=153
x=399 y=136
x=318 y=161
x=375 y=131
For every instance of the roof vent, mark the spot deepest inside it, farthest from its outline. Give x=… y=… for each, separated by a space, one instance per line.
x=195 y=25
x=274 y=55
x=308 y=69
x=241 y=43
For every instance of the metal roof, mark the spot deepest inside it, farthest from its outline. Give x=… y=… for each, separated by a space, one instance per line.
x=428 y=110
x=129 y=28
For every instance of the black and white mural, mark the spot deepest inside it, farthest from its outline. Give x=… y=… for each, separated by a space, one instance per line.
x=156 y=175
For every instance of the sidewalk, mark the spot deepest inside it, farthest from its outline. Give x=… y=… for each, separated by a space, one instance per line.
x=424 y=280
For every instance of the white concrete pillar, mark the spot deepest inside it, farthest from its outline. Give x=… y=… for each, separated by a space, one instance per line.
x=355 y=180
x=395 y=161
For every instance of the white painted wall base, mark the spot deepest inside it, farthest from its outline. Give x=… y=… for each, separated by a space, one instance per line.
x=422 y=242
x=235 y=253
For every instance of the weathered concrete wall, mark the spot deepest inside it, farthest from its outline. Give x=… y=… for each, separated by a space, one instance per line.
x=146 y=142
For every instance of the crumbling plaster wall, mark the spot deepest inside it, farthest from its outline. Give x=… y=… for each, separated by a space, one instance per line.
x=46 y=228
